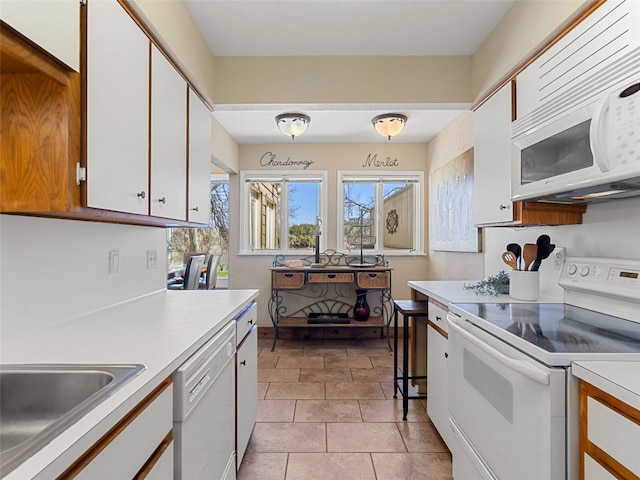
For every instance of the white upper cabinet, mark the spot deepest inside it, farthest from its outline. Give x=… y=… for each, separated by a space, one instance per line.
x=199 y=160
x=117 y=110
x=575 y=68
x=492 y=161
x=168 y=193
x=54 y=25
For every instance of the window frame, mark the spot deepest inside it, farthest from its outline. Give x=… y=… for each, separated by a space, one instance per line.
x=285 y=176
x=358 y=176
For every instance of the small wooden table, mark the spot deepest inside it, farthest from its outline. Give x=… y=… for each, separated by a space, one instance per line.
x=310 y=297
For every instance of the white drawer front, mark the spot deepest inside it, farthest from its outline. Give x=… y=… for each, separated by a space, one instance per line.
x=248 y=319
x=127 y=453
x=616 y=435
x=438 y=316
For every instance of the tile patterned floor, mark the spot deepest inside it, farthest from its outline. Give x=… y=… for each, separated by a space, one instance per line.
x=326 y=411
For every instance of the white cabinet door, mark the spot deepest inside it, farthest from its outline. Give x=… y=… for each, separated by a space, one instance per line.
x=117 y=110
x=199 y=160
x=437 y=384
x=247 y=387
x=163 y=468
x=491 y=159
x=53 y=25
x=168 y=193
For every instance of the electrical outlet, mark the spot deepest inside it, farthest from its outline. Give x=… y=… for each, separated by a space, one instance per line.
x=114 y=261
x=558 y=258
x=152 y=259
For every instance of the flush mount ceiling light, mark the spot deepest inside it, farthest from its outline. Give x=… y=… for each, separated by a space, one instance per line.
x=389 y=124
x=292 y=124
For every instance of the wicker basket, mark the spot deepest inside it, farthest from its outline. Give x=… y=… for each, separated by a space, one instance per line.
x=330 y=278
x=374 y=280
x=288 y=280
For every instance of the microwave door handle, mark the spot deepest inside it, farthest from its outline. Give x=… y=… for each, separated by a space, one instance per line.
x=520 y=366
x=596 y=128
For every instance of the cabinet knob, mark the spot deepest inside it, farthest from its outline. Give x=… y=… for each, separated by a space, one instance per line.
x=195 y=209
x=438 y=318
x=250 y=322
x=505 y=207
x=446 y=355
x=162 y=200
x=243 y=362
x=142 y=194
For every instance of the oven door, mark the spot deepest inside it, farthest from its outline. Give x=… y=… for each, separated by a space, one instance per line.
x=506 y=410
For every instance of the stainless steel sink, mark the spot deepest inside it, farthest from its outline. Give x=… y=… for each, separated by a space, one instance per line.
x=38 y=402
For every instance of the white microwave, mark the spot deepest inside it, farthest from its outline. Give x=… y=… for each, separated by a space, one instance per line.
x=590 y=153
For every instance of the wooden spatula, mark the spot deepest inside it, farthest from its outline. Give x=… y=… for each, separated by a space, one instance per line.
x=510 y=259
x=529 y=254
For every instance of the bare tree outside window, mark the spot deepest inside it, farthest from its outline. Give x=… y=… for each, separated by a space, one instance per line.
x=213 y=239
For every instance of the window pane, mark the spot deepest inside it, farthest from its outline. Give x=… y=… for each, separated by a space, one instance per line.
x=304 y=207
x=264 y=222
x=398 y=215
x=359 y=215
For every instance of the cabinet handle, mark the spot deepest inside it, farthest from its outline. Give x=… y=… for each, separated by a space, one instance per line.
x=446 y=355
x=162 y=200
x=250 y=322
x=142 y=195
x=505 y=207
x=243 y=362
x=195 y=209
x=438 y=319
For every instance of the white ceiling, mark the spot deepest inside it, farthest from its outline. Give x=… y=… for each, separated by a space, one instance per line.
x=347 y=27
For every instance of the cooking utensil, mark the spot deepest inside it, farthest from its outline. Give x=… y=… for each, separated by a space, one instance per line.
x=517 y=251
x=543 y=252
x=529 y=254
x=510 y=259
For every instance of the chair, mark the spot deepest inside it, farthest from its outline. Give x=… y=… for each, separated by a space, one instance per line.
x=408 y=309
x=191 y=274
x=209 y=282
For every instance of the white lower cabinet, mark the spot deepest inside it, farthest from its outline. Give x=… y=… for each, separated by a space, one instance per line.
x=437 y=368
x=247 y=387
x=134 y=447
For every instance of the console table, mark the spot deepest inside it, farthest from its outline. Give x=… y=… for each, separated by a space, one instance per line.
x=321 y=295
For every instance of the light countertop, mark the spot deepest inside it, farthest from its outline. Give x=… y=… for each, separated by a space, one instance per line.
x=453 y=292
x=618 y=378
x=160 y=330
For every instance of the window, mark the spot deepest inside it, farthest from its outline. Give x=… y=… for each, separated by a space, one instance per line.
x=212 y=239
x=280 y=211
x=381 y=213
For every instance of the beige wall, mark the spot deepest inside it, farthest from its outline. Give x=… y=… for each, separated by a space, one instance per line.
x=224 y=149
x=454 y=140
x=343 y=80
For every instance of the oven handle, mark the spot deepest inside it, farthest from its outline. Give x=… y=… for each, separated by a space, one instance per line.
x=520 y=366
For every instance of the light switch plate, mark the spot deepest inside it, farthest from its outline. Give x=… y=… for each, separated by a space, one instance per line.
x=114 y=261
x=152 y=259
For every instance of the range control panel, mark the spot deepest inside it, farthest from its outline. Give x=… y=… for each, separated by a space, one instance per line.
x=602 y=275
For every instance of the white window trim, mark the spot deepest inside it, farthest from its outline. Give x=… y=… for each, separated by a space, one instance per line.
x=370 y=177
x=279 y=176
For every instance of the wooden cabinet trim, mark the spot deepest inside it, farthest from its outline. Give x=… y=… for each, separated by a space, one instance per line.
x=438 y=329
x=439 y=304
x=108 y=437
x=149 y=464
x=605 y=460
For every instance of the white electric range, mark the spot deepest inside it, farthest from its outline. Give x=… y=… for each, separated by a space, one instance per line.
x=513 y=404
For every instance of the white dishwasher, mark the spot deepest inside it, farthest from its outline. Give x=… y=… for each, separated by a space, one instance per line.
x=204 y=411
